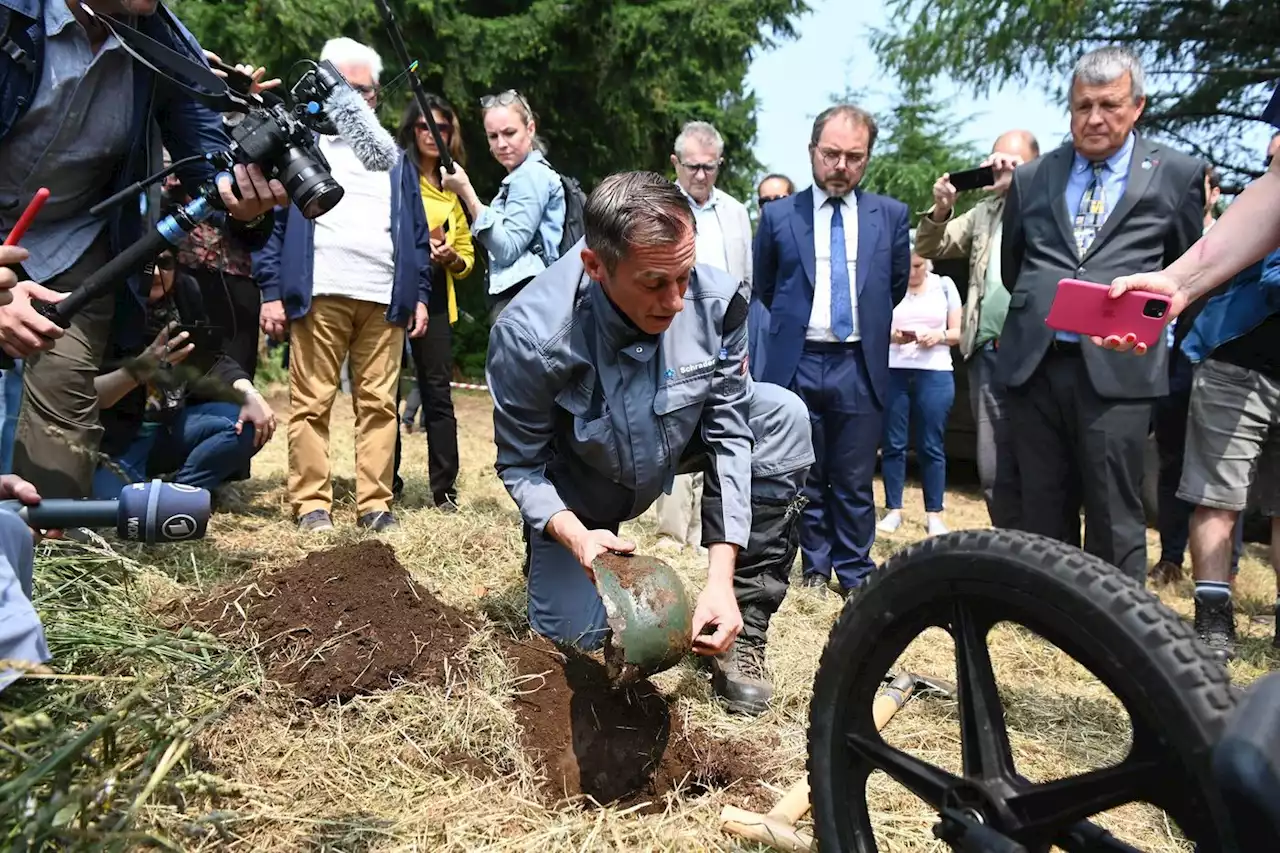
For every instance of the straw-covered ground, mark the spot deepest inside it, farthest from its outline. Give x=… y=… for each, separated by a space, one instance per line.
x=184 y=708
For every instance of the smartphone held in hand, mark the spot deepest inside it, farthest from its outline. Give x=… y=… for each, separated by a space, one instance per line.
x=1085 y=308
x=973 y=179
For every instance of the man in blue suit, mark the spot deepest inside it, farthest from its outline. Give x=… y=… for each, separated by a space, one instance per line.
x=831 y=263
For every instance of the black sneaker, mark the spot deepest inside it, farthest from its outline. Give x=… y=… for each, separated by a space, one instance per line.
x=378 y=521
x=1216 y=627
x=316 y=521
x=445 y=501
x=739 y=680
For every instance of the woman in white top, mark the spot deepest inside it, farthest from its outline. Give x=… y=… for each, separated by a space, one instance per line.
x=926 y=324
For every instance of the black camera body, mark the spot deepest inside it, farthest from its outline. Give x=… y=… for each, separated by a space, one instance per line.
x=281 y=140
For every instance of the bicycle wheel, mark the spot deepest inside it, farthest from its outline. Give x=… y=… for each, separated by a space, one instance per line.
x=1176 y=696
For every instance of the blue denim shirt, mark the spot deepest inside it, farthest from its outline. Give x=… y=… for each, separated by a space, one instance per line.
x=1254 y=295
x=529 y=206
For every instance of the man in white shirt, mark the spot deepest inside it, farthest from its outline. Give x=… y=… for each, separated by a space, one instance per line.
x=831 y=263
x=346 y=285
x=723 y=241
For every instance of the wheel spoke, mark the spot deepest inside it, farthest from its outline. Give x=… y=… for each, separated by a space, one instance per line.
x=984 y=740
x=1084 y=837
x=1054 y=806
x=927 y=782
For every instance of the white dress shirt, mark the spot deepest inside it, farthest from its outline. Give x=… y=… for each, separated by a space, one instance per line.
x=353 y=252
x=710 y=242
x=820 y=316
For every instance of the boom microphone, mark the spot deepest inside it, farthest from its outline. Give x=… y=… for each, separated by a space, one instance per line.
x=145 y=512
x=359 y=126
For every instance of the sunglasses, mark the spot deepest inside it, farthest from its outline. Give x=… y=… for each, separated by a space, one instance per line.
x=765 y=199
x=446 y=128
x=505 y=99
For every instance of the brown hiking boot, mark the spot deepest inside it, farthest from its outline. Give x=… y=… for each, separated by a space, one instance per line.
x=739 y=680
x=1165 y=572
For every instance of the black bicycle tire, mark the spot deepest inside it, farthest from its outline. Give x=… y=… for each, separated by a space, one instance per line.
x=1170 y=666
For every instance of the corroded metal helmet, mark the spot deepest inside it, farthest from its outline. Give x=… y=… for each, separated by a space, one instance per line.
x=649 y=614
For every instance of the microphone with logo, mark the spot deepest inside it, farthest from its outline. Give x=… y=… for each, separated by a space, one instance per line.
x=154 y=513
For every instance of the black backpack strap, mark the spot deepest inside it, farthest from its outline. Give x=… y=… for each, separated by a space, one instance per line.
x=11 y=47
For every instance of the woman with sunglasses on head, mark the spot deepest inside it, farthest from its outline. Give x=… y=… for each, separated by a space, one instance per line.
x=521 y=229
x=452 y=258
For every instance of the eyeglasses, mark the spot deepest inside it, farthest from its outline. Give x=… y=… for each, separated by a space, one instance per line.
x=506 y=99
x=705 y=168
x=368 y=91
x=831 y=159
x=765 y=199
x=446 y=128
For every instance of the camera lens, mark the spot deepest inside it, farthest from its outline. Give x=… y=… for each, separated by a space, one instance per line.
x=1154 y=308
x=309 y=184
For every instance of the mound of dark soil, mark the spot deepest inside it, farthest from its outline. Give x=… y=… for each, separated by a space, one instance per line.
x=344 y=622
x=350 y=620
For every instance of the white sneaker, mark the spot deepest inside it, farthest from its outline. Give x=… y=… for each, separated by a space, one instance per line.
x=891 y=522
x=935 y=527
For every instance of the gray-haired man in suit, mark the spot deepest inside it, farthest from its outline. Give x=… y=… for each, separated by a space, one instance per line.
x=1108 y=203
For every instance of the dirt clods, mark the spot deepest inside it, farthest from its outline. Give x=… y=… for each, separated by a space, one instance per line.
x=350 y=620
x=344 y=622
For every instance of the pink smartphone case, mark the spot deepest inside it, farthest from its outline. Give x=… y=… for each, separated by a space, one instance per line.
x=1083 y=307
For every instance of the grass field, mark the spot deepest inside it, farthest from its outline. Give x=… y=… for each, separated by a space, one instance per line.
x=144 y=734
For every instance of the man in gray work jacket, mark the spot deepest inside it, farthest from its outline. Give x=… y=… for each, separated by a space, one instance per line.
x=620 y=366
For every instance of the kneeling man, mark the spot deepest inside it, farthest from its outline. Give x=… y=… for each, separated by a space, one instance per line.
x=619 y=367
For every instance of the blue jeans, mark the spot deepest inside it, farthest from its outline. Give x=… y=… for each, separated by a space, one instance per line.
x=10 y=404
x=919 y=398
x=201 y=443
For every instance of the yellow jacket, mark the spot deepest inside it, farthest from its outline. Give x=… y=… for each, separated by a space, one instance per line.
x=443 y=206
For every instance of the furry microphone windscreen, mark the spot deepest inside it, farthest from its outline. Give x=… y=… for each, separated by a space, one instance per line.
x=357 y=124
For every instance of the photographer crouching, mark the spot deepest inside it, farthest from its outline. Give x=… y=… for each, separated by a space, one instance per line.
x=171 y=409
x=79 y=116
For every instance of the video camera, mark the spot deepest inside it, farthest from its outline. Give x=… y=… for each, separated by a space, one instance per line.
x=276 y=134
x=154 y=512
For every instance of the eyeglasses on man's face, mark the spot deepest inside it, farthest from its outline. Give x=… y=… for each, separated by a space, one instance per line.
x=368 y=91
x=707 y=169
x=832 y=158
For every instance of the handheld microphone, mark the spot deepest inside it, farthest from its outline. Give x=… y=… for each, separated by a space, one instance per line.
x=359 y=126
x=153 y=512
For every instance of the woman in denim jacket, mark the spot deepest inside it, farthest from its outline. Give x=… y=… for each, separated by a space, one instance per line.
x=521 y=229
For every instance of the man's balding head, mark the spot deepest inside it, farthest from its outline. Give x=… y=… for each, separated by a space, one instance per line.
x=1018 y=142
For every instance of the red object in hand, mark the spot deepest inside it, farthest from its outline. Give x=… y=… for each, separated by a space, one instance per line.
x=24 y=222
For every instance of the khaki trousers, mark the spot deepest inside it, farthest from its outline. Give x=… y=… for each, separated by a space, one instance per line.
x=680 y=513
x=337 y=328
x=58 y=433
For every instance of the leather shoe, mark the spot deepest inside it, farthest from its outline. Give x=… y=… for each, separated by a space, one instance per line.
x=739 y=680
x=377 y=521
x=1165 y=572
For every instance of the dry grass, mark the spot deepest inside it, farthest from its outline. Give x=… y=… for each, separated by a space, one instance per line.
x=418 y=769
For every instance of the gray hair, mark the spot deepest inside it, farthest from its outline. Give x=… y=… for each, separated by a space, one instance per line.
x=633 y=209
x=345 y=51
x=702 y=131
x=855 y=114
x=1107 y=65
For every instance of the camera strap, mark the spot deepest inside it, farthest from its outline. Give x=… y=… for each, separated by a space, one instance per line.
x=215 y=93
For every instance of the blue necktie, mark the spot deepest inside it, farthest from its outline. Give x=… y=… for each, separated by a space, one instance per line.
x=841 y=300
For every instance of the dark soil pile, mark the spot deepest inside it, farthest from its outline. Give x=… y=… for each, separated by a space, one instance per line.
x=344 y=622
x=350 y=620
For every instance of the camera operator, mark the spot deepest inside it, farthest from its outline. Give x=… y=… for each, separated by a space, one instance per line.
x=79 y=116
x=168 y=410
x=21 y=635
